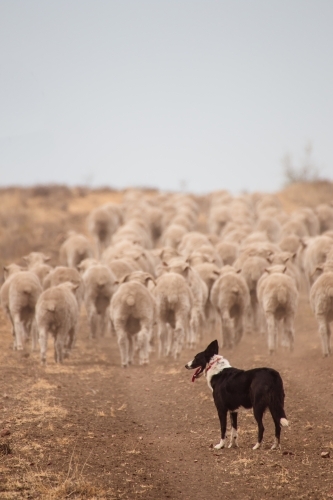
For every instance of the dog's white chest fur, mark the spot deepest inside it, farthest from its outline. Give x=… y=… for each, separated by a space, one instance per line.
x=216 y=365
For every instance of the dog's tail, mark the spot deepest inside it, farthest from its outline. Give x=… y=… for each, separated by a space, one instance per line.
x=284 y=422
x=276 y=400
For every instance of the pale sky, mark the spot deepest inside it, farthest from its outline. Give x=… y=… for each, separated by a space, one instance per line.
x=202 y=94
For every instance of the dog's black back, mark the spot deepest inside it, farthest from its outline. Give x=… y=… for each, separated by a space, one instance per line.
x=233 y=388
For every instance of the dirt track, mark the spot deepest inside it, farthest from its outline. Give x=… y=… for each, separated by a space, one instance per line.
x=89 y=429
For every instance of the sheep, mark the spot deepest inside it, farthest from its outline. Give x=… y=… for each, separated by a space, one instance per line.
x=227 y=251
x=173 y=234
x=75 y=248
x=34 y=258
x=290 y=243
x=321 y=300
x=289 y=260
x=309 y=218
x=294 y=226
x=132 y=314
x=313 y=253
x=103 y=222
x=19 y=294
x=122 y=267
x=143 y=257
x=199 y=293
x=135 y=230
x=36 y=262
x=219 y=215
x=99 y=285
x=278 y=297
x=61 y=274
x=164 y=254
x=206 y=253
x=192 y=241
x=57 y=314
x=271 y=227
x=324 y=213
x=173 y=310
x=230 y=296
x=251 y=270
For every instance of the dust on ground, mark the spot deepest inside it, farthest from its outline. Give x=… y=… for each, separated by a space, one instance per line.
x=90 y=429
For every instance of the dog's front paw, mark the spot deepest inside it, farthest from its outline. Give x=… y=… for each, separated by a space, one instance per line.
x=220 y=445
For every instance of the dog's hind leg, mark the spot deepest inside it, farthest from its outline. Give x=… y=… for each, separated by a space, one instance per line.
x=234 y=433
x=280 y=420
x=258 y=412
x=223 y=424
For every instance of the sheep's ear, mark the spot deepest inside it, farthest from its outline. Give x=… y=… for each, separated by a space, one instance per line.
x=216 y=272
x=238 y=271
x=269 y=260
x=304 y=245
x=25 y=258
x=46 y=258
x=116 y=282
x=318 y=268
x=285 y=260
x=284 y=270
x=165 y=264
x=5 y=268
x=125 y=278
x=266 y=270
x=294 y=255
x=150 y=278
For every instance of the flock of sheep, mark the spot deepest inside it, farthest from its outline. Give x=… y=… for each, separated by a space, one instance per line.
x=160 y=272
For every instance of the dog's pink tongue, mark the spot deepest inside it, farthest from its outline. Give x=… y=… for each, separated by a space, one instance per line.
x=196 y=373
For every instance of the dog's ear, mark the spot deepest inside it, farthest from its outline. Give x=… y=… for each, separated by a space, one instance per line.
x=212 y=349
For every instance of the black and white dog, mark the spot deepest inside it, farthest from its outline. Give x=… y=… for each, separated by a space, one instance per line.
x=259 y=388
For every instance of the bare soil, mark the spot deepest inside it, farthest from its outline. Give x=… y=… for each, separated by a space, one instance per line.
x=90 y=429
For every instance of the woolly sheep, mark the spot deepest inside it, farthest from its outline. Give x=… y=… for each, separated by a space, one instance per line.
x=227 y=251
x=278 y=297
x=324 y=213
x=230 y=296
x=57 y=314
x=103 y=222
x=61 y=274
x=172 y=235
x=132 y=313
x=173 y=310
x=99 y=286
x=321 y=300
x=36 y=262
x=199 y=293
x=252 y=269
x=75 y=248
x=313 y=253
x=271 y=227
x=19 y=295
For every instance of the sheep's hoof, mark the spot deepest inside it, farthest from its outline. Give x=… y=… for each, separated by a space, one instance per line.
x=256 y=446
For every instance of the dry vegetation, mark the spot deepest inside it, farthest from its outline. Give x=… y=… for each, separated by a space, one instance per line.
x=89 y=430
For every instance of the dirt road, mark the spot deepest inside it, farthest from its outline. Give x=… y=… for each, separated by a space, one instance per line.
x=89 y=429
